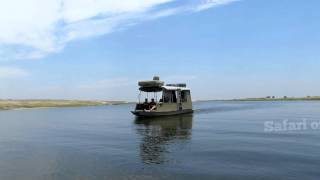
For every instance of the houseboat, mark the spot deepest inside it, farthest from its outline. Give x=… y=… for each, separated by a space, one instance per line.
x=162 y=99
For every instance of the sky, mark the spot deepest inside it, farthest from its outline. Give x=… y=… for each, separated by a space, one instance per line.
x=99 y=49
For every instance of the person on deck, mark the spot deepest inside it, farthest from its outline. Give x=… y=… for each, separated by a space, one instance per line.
x=145 y=104
x=152 y=106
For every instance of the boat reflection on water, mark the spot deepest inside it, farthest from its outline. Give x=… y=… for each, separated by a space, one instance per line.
x=161 y=135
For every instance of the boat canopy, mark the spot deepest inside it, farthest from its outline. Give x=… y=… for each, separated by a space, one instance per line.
x=159 y=89
x=154 y=85
x=150 y=89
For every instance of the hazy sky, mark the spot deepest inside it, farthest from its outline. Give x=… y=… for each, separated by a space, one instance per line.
x=99 y=49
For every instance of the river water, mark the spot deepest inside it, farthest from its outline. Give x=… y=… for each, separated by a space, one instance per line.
x=221 y=140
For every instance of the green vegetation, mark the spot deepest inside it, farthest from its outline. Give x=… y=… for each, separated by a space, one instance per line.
x=15 y=104
x=270 y=98
x=308 y=98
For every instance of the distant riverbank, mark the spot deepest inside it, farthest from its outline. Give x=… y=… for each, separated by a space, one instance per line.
x=310 y=98
x=17 y=104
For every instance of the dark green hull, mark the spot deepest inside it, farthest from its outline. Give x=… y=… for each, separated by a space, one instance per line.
x=156 y=114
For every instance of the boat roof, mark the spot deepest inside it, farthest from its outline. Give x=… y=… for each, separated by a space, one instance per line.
x=175 y=88
x=156 y=85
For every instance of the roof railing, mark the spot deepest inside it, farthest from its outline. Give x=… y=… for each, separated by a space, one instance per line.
x=177 y=85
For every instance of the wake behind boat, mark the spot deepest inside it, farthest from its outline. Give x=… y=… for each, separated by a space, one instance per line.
x=174 y=99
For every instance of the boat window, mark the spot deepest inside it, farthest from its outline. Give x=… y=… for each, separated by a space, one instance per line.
x=169 y=96
x=174 y=97
x=166 y=96
x=183 y=96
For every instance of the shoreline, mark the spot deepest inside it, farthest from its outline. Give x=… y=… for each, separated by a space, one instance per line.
x=317 y=98
x=280 y=99
x=36 y=104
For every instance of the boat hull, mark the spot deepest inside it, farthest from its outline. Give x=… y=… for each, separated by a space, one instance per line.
x=163 y=113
